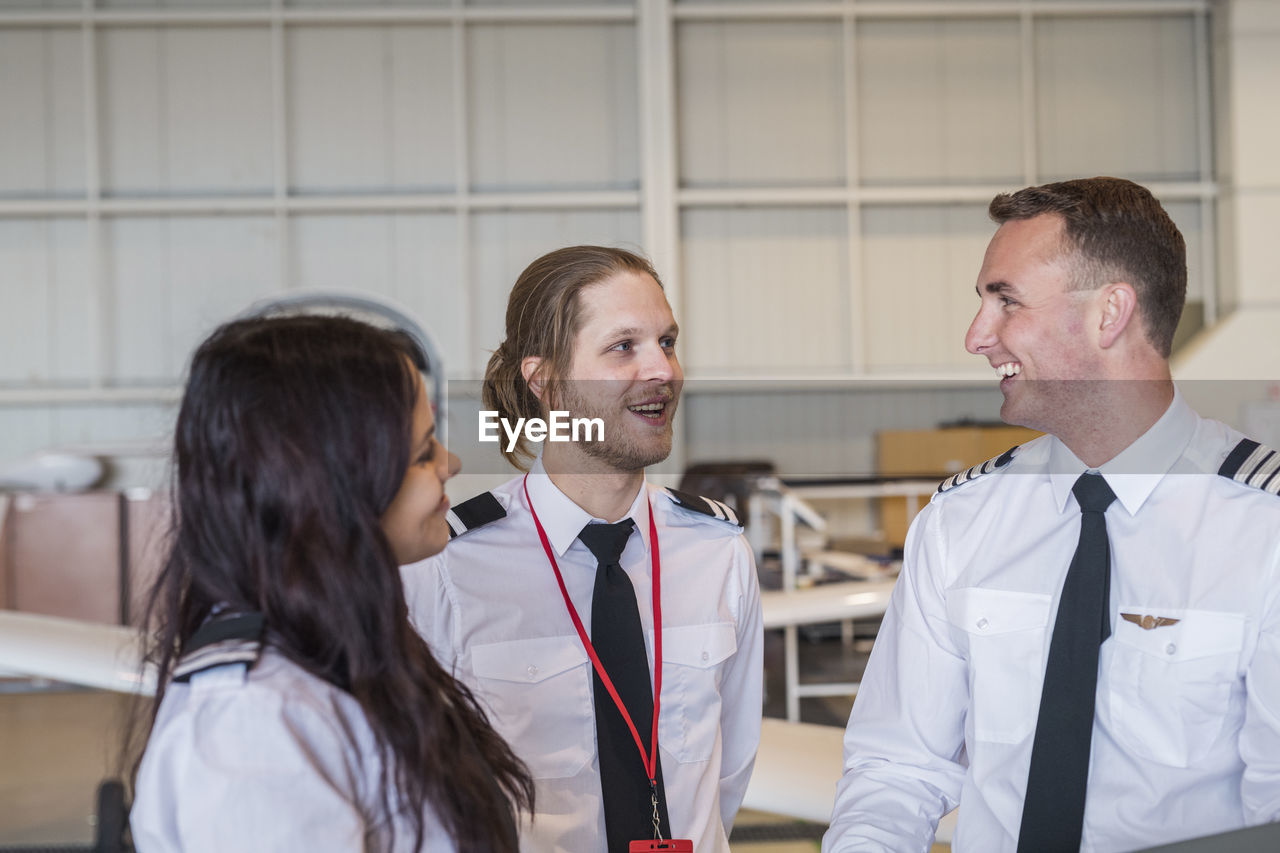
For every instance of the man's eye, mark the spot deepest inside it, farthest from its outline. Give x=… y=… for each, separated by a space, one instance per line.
x=624 y=346
x=1006 y=301
x=668 y=343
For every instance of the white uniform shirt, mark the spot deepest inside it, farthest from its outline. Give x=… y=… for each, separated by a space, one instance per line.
x=490 y=609
x=280 y=760
x=1186 y=737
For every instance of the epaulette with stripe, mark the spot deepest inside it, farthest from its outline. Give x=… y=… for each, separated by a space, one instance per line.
x=706 y=506
x=235 y=638
x=474 y=512
x=1254 y=465
x=978 y=470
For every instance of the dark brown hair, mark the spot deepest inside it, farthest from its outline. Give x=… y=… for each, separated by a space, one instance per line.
x=292 y=440
x=543 y=317
x=1115 y=230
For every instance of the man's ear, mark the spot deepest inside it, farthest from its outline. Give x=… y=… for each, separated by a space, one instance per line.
x=1119 y=310
x=531 y=370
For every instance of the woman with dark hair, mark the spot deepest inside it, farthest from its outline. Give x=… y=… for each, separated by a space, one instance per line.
x=297 y=709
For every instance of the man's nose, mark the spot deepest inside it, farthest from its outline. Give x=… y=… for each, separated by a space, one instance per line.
x=659 y=364
x=981 y=335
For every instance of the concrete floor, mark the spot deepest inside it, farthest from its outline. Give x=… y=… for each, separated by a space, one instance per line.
x=57 y=745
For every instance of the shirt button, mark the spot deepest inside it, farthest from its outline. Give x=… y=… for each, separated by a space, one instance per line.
x=1170 y=649
x=533 y=672
x=706 y=656
x=983 y=623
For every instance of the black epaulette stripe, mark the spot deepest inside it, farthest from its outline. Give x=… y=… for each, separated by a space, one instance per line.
x=477 y=512
x=1272 y=484
x=1253 y=464
x=727 y=512
x=1235 y=459
x=236 y=638
x=239 y=626
x=1262 y=475
x=977 y=470
x=227 y=652
x=705 y=506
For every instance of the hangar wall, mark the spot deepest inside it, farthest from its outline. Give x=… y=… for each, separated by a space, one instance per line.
x=809 y=178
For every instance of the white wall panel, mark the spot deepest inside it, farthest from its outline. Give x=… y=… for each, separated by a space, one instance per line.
x=553 y=107
x=1187 y=216
x=765 y=291
x=23 y=430
x=1258 y=249
x=185 y=110
x=371 y=108
x=44 y=294
x=148 y=426
x=412 y=259
x=939 y=101
x=171 y=281
x=1116 y=97
x=761 y=103
x=543 y=3
x=147 y=429
x=920 y=264
x=182 y=4
x=42 y=102
x=503 y=244
x=1256 y=138
x=25 y=5
x=363 y=4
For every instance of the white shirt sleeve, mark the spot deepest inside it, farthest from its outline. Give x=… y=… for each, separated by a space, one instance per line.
x=431 y=608
x=905 y=736
x=248 y=771
x=741 y=691
x=1260 y=735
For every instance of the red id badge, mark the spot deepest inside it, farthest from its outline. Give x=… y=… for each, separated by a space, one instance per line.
x=671 y=845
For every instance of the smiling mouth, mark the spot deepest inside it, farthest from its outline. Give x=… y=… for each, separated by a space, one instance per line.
x=649 y=411
x=1009 y=368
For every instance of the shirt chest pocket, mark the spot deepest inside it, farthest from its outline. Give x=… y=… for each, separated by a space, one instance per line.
x=1171 y=686
x=538 y=692
x=1006 y=634
x=693 y=657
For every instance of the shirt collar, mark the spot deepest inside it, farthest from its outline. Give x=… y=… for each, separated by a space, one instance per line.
x=1134 y=473
x=563 y=519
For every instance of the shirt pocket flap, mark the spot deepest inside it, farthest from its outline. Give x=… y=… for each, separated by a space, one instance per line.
x=1196 y=634
x=527 y=661
x=701 y=646
x=996 y=611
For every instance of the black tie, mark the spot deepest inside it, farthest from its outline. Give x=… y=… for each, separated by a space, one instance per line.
x=1053 y=813
x=618 y=639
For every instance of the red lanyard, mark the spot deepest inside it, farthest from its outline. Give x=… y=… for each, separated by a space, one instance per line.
x=651 y=760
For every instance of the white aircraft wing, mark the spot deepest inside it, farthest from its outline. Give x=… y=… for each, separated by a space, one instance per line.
x=832 y=602
x=103 y=656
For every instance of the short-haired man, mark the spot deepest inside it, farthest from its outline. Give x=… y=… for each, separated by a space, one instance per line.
x=1083 y=650
x=554 y=580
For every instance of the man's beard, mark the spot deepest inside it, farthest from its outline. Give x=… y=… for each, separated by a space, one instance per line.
x=621 y=449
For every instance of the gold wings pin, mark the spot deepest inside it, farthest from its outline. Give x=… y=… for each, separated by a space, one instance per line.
x=1148 y=622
